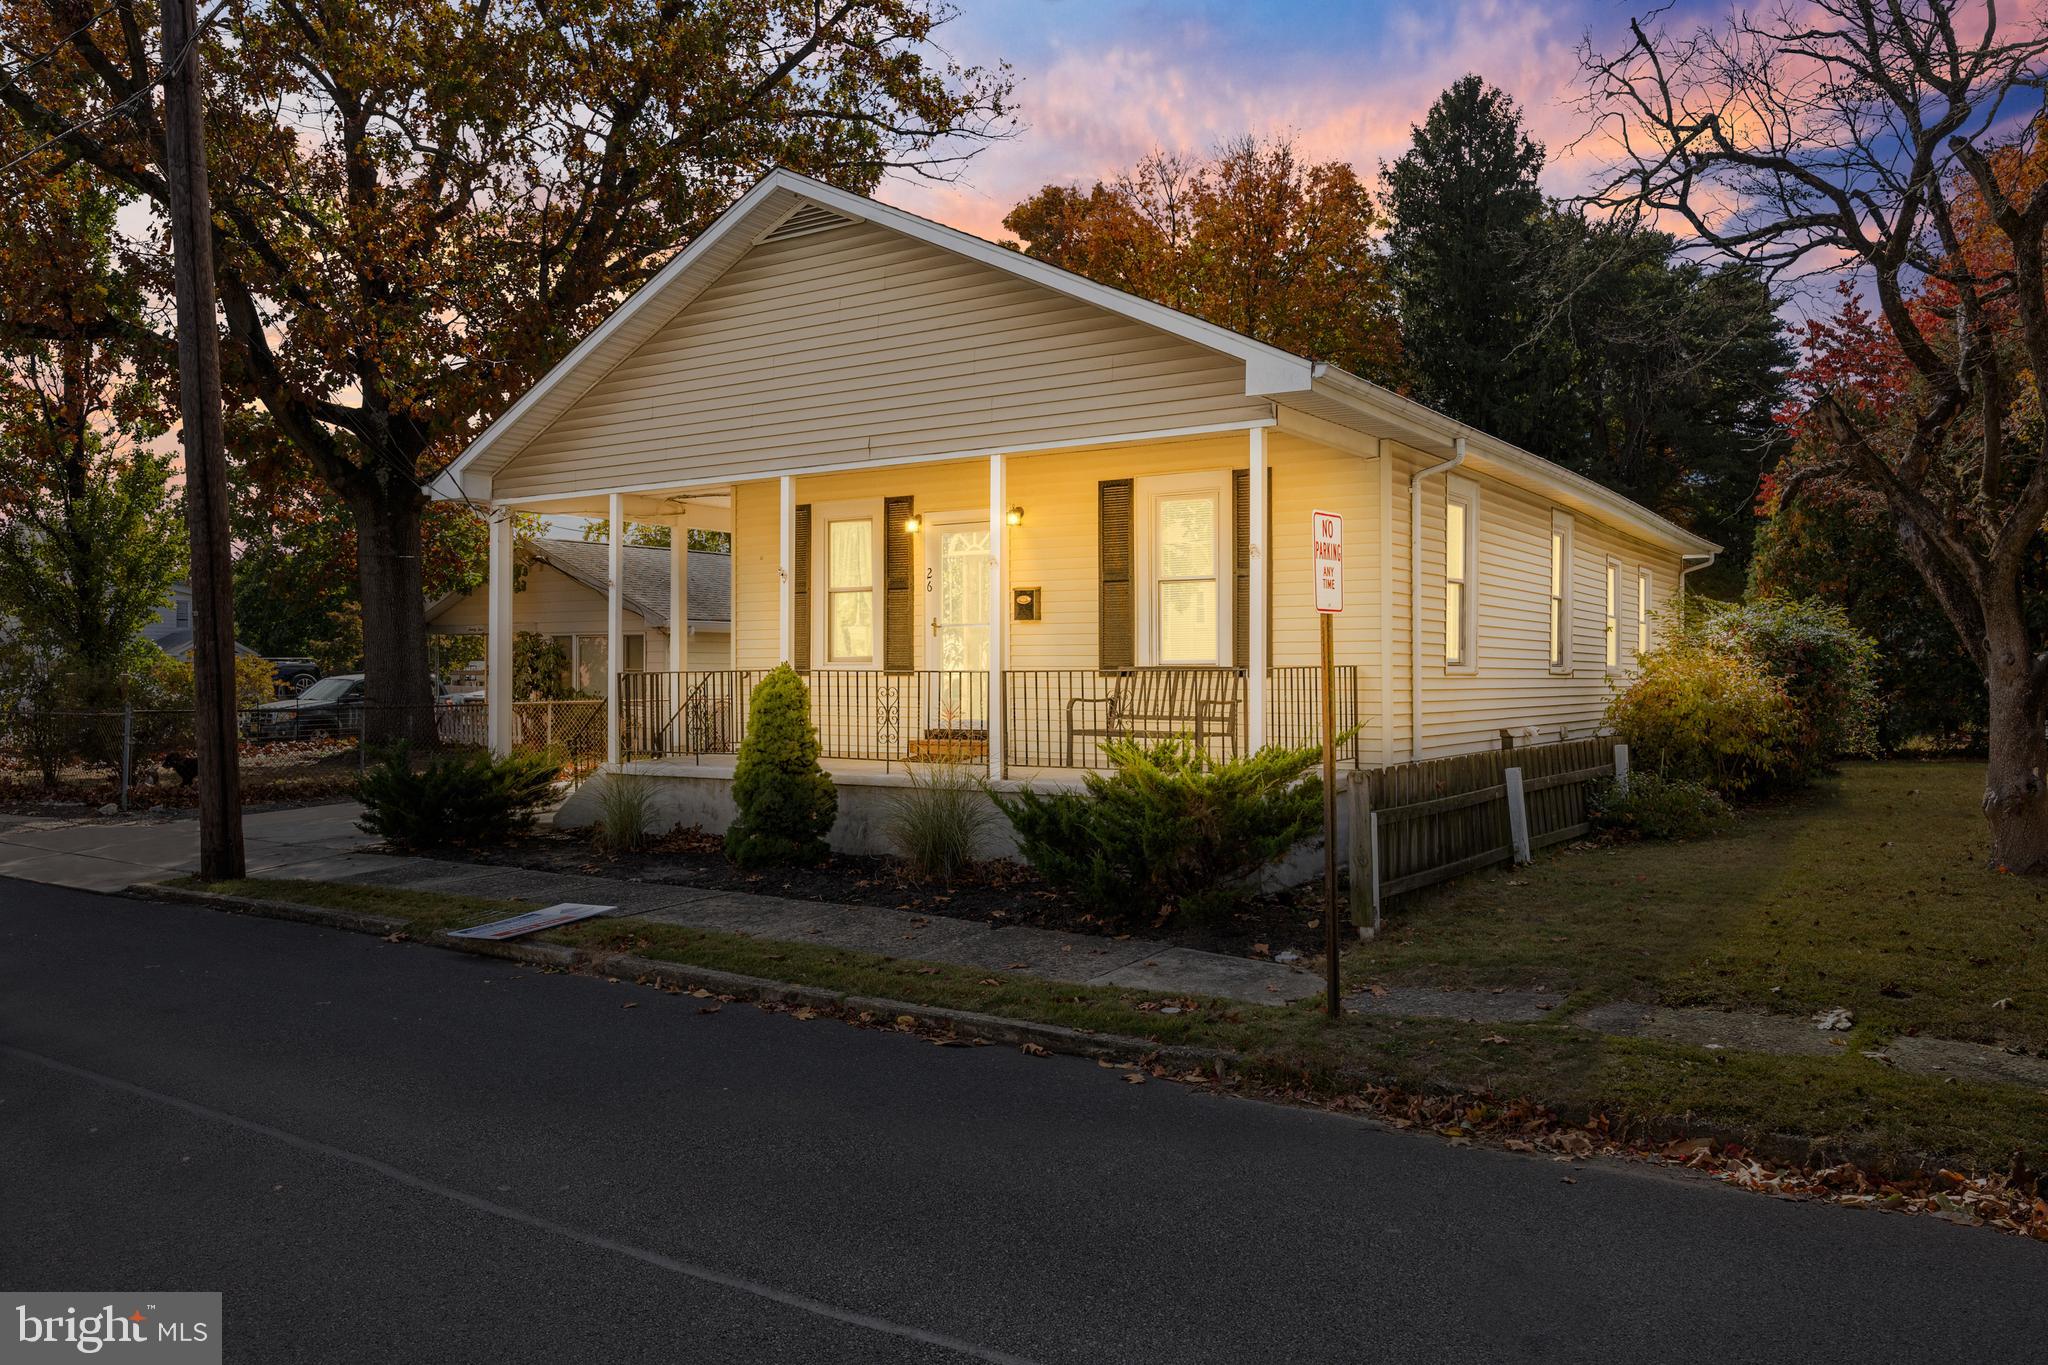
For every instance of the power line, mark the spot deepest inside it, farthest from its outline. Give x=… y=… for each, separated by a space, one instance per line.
x=29 y=64
x=170 y=68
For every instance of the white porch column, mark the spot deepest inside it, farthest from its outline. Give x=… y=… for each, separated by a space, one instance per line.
x=1256 y=662
x=786 y=593
x=498 y=641
x=615 y=627
x=679 y=596
x=999 y=608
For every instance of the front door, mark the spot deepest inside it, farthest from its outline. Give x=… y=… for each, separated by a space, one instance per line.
x=957 y=569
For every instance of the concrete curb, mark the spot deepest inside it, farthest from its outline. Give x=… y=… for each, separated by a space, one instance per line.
x=682 y=975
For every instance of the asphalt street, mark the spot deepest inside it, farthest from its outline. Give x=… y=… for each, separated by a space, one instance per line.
x=382 y=1152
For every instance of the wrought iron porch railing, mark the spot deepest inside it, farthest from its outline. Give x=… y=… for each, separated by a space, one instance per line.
x=1054 y=718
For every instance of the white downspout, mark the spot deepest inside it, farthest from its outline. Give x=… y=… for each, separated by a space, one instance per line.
x=1415 y=592
x=1706 y=562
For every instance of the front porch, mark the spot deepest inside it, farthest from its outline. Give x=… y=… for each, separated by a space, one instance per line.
x=1010 y=612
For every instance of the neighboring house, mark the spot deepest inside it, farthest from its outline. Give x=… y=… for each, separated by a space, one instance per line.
x=564 y=596
x=172 y=630
x=954 y=474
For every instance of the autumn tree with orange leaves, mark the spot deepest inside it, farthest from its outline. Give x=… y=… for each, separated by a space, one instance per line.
x=1254 y=239
x=420 y=205
x=1890 y=141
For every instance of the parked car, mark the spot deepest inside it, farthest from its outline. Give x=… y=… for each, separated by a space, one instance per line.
x=329 y=706
x=293 y=676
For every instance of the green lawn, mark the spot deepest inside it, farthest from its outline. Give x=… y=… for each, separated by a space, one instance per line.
x=1871 y=893
x=1868 y=894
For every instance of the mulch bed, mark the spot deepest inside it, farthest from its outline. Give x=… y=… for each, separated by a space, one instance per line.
x=1000 y=892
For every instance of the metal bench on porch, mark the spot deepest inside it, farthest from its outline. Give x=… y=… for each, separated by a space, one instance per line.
x=1159 y=703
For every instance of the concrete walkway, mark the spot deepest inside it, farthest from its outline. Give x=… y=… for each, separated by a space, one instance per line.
x=106 y=853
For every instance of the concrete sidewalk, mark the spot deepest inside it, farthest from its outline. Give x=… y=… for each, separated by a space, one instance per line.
x=106 y=853
x=322 y=843
x=1050 y=954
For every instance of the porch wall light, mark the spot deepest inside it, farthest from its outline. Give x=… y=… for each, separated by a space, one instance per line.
x=912 y=524
x=1014 y=517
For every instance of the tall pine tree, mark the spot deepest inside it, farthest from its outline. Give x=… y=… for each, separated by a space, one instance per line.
x=1465 y=245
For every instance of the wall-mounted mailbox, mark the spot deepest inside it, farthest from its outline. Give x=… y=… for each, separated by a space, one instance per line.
x=1024 y=604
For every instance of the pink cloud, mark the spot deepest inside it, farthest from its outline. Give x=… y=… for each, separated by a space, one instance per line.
x=1093 y=109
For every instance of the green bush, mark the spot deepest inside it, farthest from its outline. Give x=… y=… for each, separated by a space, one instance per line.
x=1168 y=829
x=464 y=800
x=1700 y=713
x=786 y=802
x=624 y=803
x=1658 y=807
x=1827 y=667
x=936 y=822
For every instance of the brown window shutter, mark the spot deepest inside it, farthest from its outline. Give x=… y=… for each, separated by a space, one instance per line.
x=899 y=623
x=1240 y=567
x=1117 y=628
x=800 y=591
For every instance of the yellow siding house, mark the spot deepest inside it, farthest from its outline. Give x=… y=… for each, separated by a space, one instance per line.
x=996 y=512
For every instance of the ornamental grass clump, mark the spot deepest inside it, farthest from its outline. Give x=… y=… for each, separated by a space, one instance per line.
x=1168 y=829
x=625 y=803
x=786 y=802
x=936 y=821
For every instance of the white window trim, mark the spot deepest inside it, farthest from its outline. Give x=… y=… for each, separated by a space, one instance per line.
x=1149 y=491
x=1610 y=623
x=1644 y=586
x=576 y=639
x=823 y=514
x=1460 y=489
x=1560 y=659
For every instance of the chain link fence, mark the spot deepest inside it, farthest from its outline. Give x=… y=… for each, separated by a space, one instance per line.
x=290 y=751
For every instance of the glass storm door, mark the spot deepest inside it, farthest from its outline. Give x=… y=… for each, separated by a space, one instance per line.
x=957 y=585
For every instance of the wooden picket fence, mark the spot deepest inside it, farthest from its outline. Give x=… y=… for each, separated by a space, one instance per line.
x=1417 y=824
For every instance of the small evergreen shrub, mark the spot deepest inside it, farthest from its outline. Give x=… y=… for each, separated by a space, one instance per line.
x=625 y=802
x=1700 y=713
x=467 y=799
x=936 y=822
x=786 y=802
x=1658 y=807
x=1168 y=829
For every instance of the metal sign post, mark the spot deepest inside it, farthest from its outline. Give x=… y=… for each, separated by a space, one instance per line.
x=1327 y=537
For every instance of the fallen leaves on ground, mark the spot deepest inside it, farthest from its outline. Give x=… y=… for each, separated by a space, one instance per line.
x=1033 y=1050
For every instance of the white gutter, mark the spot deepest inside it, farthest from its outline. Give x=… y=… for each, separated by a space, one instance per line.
x=1415 y=592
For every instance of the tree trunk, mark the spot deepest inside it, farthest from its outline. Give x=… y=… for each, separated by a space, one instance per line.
x=2016 y=779
x=398 y=692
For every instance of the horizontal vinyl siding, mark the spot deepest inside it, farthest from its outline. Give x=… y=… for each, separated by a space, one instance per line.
x=1512 y=686
x=1055 y=550
x=860 y=343
x=552 y=603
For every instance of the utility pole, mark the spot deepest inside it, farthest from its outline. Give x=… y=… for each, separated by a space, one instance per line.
x=206 y=476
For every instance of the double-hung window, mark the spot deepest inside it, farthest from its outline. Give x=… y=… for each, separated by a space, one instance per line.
x=1611 y=623
x=1642 y=611
x=1185 y=610
x=850 y=590
x=1461 y=554
x=1560 y=591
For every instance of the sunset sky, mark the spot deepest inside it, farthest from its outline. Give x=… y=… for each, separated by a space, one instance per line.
x=1102 y=82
